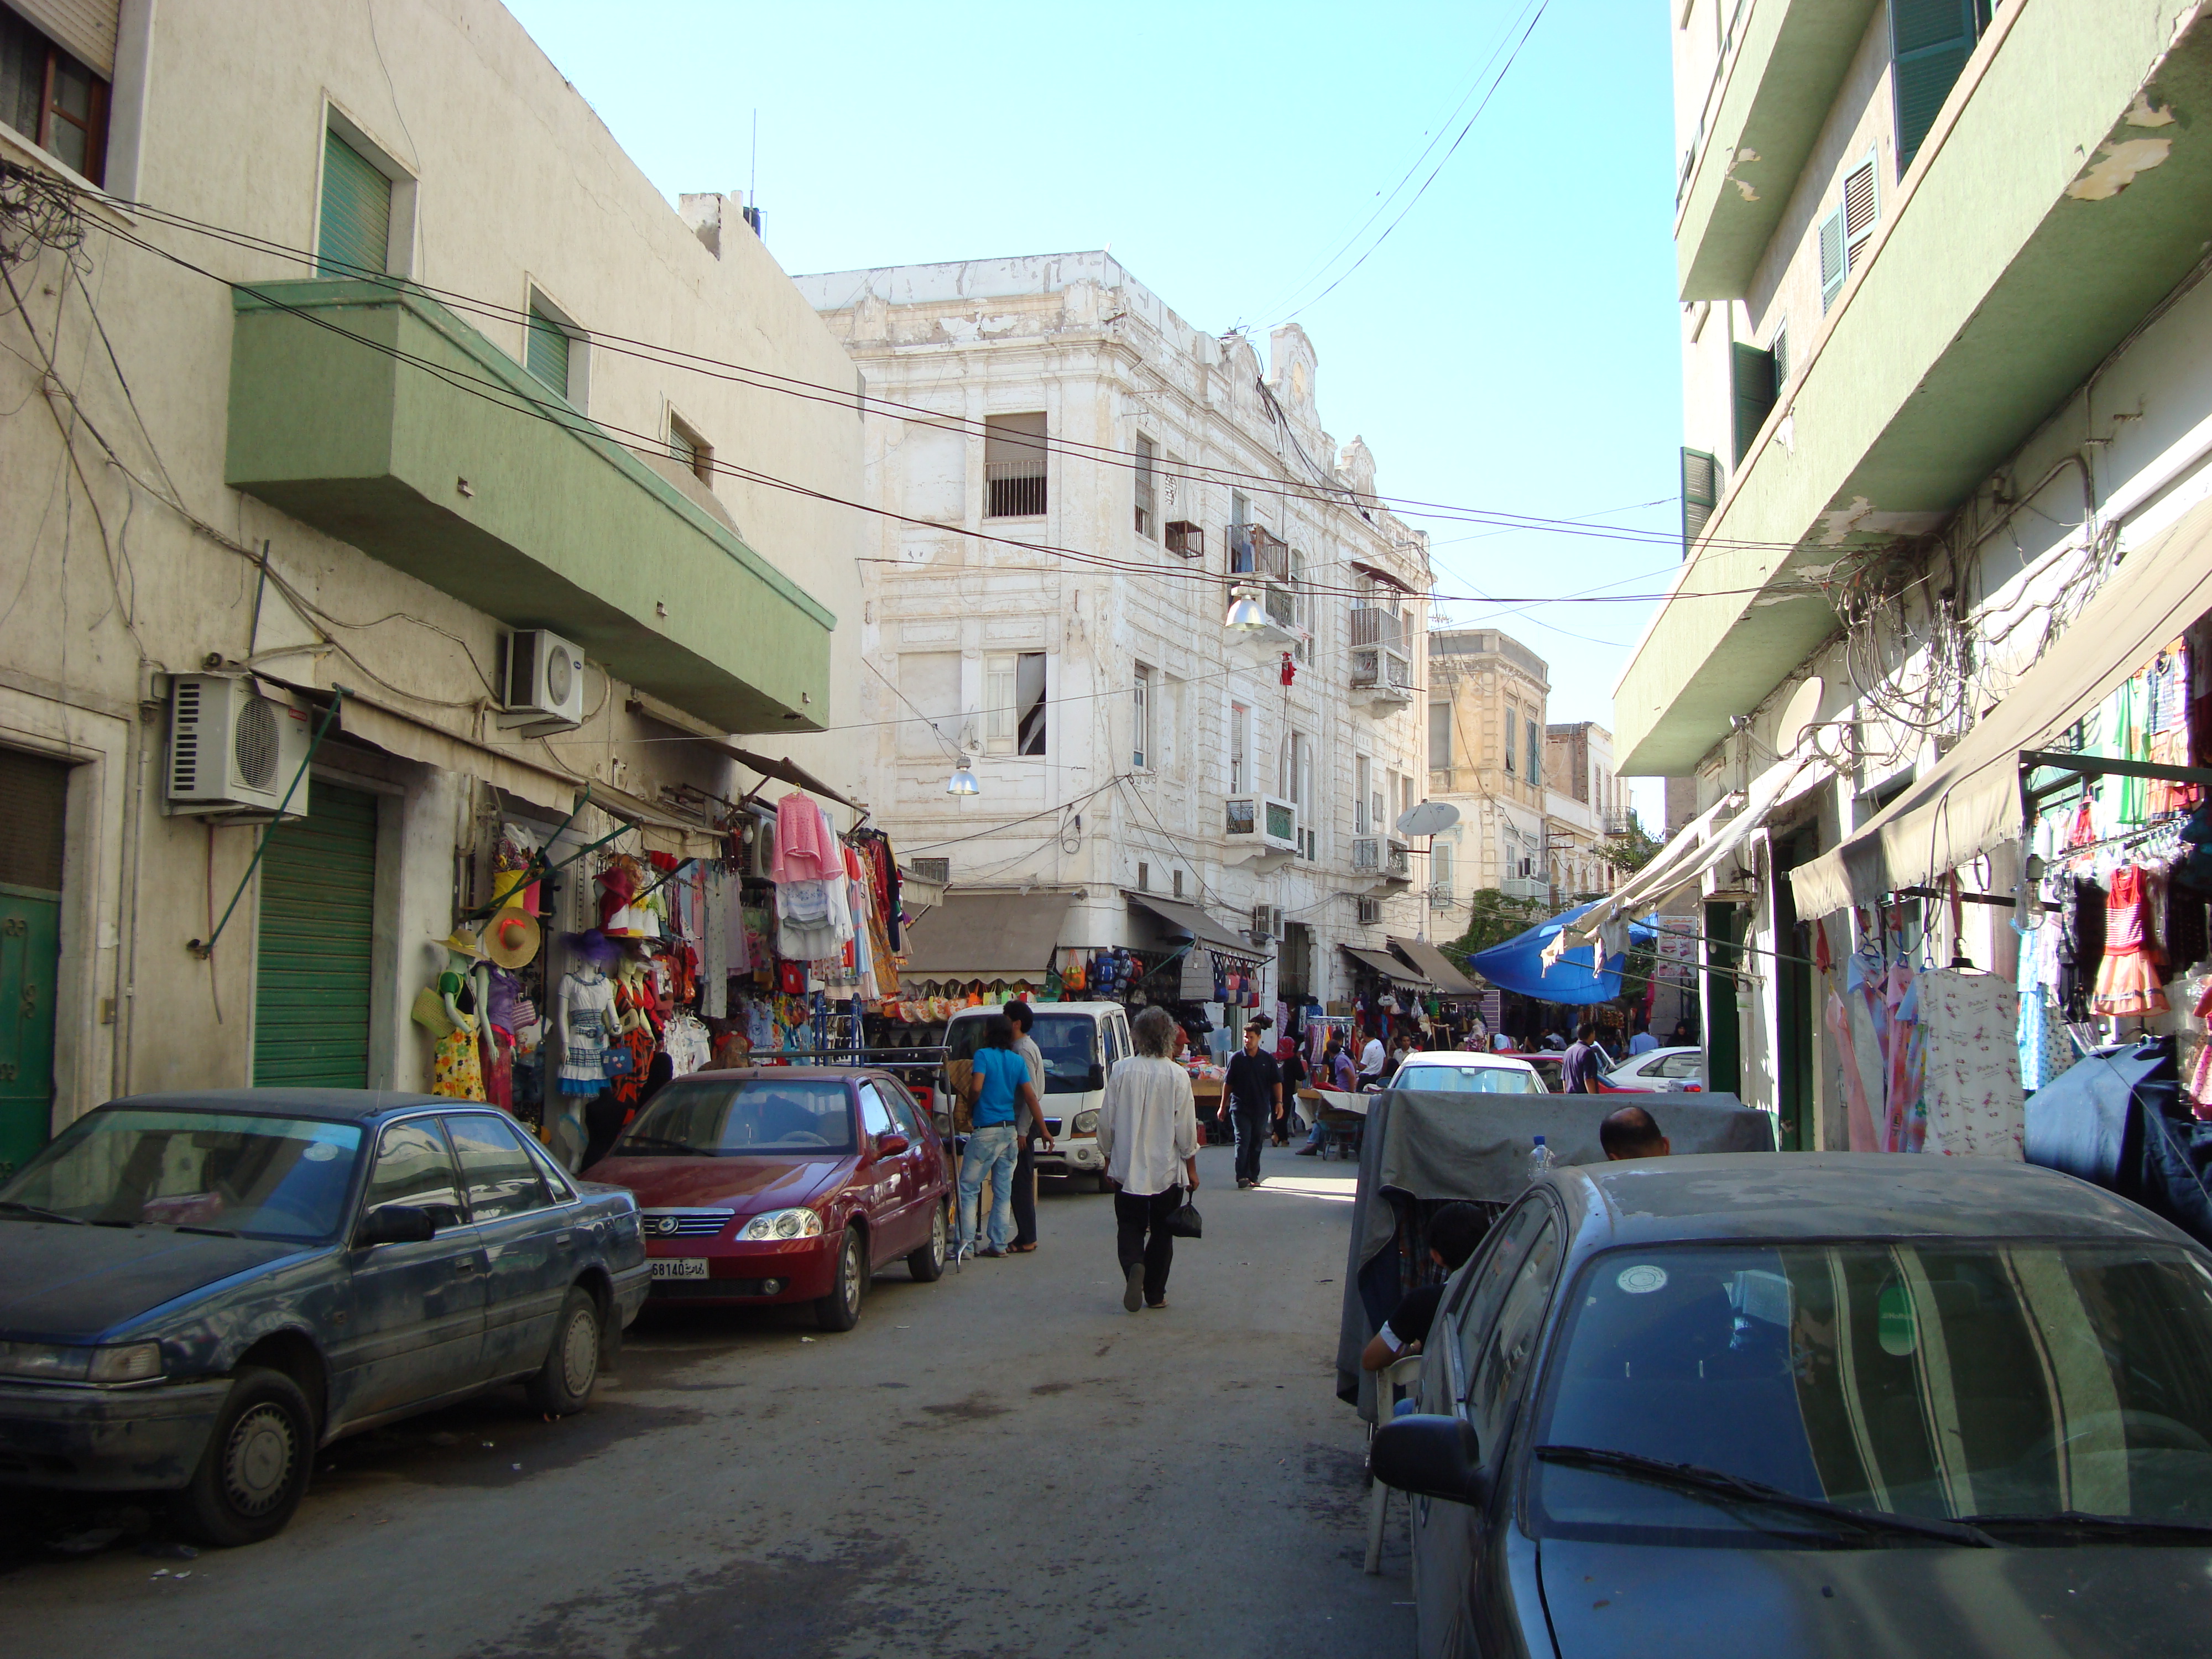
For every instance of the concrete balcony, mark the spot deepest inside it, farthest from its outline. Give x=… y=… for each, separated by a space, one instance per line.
x=542 y=523
x=1382 y=678
x=1774 y=88
x=2056 y=200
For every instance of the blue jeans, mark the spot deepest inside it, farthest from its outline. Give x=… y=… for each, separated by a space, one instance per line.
x=992 y=1152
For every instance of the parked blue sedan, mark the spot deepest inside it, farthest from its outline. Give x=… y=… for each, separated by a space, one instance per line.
x=1815 y=1404
x=197 y=1290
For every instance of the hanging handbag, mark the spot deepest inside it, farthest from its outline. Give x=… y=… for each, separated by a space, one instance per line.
x=1186 y=1222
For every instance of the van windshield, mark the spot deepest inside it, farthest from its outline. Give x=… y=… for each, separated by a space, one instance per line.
x=1069 y=1043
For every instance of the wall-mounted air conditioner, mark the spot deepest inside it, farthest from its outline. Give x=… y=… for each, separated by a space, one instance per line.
x=544 y=684
x=1370 y=912
x=1262 y=819
x=233 y=751
x=758 y=835
x=1267 y=922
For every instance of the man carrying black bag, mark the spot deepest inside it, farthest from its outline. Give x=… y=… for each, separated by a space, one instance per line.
x=1148 y=1132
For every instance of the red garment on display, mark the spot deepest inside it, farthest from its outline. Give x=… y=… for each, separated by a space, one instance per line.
x=2127 y=979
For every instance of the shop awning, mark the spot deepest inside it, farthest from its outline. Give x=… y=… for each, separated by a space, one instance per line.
x=1969 y=802
x=1202 y=928
x=1388 y=966
x=987 y=936
x=786 y=771
x=1436 y=966
x=662 y=831
x=410 y=739
x=1518 y=965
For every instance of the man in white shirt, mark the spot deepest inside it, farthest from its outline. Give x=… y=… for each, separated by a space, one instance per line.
x=1372 y=1059
x=1148 y=1133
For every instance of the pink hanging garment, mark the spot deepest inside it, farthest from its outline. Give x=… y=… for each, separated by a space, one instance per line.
x=804 y=852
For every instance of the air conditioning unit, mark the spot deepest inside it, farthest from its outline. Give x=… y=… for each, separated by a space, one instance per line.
x=1267 y=922
x=1370 y=912
x=234 y=752
x=544 y=684
x=759 y=840
x=1262 y=819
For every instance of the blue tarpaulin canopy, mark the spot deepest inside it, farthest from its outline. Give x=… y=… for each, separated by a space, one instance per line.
x=1518 y=965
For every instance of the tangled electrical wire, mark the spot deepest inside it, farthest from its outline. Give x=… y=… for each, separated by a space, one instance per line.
x=38 y=216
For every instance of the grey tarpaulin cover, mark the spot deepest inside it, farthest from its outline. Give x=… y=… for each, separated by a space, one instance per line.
x=1429 y=1147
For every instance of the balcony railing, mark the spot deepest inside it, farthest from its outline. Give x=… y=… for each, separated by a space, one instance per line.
x=1619 y=825
x=1373 y=625
x=1526 y=887
x=1015 y=490
x=1367 y=855
x=1254 y=551
x=1377 y=668
x=1397 y=861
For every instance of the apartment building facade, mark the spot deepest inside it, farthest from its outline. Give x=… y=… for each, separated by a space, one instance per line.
x=1487 y=695
x=1585 y=810
x=1948 y=372
x=1079 y=485
x=373 y=469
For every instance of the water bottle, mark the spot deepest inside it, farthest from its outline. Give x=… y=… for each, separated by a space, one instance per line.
x=1539 y=1159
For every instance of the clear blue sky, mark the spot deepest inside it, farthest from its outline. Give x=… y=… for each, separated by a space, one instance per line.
x=1512 y=344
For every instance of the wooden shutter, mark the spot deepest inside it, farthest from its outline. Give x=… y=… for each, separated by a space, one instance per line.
x=1834 y=259
x=357 y=221
x=313 y=958
x=83 y=29
x=1929 y=41
x=1701 y=494
x=1752 y=375
x=546 y=354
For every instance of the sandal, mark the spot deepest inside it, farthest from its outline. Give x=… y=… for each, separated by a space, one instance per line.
x=1019 y=1249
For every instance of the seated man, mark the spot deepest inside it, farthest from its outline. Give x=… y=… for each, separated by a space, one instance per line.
x=1453 y=1232
x=1631 y=1132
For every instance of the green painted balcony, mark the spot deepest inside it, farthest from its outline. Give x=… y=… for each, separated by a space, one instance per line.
x=2065 y=190
x=1787 y=62
x=380 y=418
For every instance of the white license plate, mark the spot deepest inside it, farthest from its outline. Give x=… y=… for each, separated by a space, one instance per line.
x=679 y=1267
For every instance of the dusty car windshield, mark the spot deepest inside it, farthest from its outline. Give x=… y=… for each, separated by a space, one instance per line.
x=263 y=1177
x=1469 y=1080
x=732 y=1120
x=1069 y=1043
x=1954 y=1381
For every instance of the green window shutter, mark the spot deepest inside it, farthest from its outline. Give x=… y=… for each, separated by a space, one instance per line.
x=1701 y=494
x=1834 y=265
x=357 y=221
x=1752 y=375
x=314 y=956
x=547 y=353
x=1929 y=41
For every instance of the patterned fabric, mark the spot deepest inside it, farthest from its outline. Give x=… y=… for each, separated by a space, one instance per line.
x=2127 y=979
x=460 y=1075
x=589 y=1002
x=1970 y=1082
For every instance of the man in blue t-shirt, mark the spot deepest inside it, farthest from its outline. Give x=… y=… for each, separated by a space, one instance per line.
x=1000 y=1088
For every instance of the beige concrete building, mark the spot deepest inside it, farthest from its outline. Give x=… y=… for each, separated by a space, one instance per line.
x=1585 y=806
x=1486 y=738
x=1086 y=483
x=400 y=441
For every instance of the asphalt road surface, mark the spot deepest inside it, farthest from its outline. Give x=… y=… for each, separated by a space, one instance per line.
x=1003 y=1463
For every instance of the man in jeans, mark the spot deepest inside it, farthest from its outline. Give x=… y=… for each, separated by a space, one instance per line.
x=1001 y=1088
x=1026 y=1132
x=1254 y=1090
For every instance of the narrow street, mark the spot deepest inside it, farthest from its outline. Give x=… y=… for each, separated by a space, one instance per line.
x=1002 y=1463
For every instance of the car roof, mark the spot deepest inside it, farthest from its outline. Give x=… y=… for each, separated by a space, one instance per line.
x=1041 y=1008
x=1467 y=1057
x=334 y=1105
x=1782 y=1195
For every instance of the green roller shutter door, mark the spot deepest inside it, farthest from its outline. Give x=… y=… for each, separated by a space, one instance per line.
x=312 y=973
x=357 y=228
x=34 y=802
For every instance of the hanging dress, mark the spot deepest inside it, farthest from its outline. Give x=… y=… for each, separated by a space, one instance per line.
x=2127 y=979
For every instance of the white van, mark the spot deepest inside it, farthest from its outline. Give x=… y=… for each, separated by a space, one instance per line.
x=1080 y=1042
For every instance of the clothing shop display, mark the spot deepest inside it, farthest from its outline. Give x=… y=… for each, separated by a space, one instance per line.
x=587 y=1010
x=2127 y=980
x=1969 y=1079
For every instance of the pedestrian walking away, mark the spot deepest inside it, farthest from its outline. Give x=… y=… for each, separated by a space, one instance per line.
x=1578 y=1071
x=1000 y=1087
x=1027 y=1125
x=1253 y=1091
x=1148 y=1132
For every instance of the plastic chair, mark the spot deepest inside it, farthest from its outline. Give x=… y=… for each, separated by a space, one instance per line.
x=1392 y=1384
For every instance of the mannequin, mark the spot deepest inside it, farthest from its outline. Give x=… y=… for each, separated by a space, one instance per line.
x=583 y=1026
x=463 y=989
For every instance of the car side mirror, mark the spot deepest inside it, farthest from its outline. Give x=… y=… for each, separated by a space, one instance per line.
x=1096 y=1079
x=891 y=1145
x=394 y=1224
x=1434 y=1457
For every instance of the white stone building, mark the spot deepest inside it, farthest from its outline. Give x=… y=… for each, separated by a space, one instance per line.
x=1585 y=805
x=1084 y=479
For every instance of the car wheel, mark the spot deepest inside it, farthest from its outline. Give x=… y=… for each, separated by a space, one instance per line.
x=839 y=1310
x=563 y=1384
x=254 y=1471
x=927 y=1263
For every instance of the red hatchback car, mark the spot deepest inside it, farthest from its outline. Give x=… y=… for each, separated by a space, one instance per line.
x=783 y=1184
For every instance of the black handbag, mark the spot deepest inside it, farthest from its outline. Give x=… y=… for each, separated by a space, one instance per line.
x=1186 y=1222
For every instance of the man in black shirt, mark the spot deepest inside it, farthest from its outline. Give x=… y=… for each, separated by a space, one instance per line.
x=1254 y=1094
x=1453 y=1232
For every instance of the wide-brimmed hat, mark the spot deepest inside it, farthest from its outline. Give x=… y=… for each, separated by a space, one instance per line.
x=511 y=938
x=462 y=942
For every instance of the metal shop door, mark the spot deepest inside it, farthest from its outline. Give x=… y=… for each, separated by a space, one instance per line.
x=34 y=796
x=313 y=957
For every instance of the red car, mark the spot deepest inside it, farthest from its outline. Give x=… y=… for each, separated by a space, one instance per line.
x=783 y=1184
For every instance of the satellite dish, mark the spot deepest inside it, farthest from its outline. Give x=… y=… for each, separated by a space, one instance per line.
x=1799 y=714
x=1430 y=817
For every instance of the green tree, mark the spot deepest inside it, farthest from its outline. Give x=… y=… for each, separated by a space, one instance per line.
x=1632 y=852
x=1493 y=918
